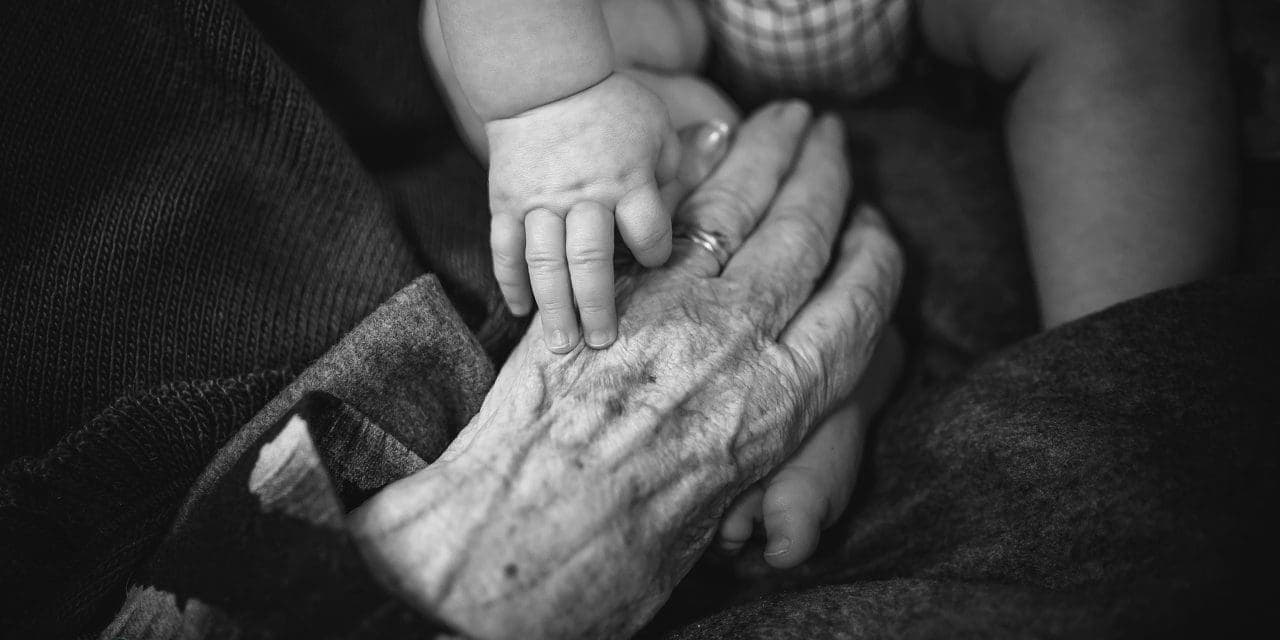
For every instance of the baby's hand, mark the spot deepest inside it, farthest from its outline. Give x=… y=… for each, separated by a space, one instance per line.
x=559 y=175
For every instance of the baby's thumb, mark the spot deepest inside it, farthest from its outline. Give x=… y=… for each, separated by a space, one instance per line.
x=692 y=155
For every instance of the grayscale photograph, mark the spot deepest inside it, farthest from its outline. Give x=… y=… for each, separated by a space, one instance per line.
x=653 y=319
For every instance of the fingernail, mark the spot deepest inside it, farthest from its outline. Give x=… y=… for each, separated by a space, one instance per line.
x=714 y=135
x=796 y=110
x=778 y=546
x=559 y=341
x=600 y=339
x=730 y=547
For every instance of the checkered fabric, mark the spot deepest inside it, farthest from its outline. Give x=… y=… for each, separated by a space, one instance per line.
x=842 y=48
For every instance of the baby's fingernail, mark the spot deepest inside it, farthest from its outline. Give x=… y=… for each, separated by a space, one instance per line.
x=777 y=546
x=599 y=339
x=559 y=341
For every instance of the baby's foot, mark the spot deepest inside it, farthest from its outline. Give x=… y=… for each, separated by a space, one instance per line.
x=811 y=489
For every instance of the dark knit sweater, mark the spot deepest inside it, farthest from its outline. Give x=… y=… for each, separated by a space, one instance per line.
x=197 y=200
x=177 y=206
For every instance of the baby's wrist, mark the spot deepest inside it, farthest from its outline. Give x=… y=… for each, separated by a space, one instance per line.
x=530 y=108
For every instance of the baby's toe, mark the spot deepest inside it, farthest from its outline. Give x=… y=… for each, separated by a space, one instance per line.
x=795 y=503
x=740 y=520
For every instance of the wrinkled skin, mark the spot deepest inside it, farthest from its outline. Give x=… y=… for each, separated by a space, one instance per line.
x=589 y=483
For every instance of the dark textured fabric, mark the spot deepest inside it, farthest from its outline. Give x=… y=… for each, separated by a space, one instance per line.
x=262 y=551
x=1111 y=478
x=259 y=547
x=177 y=205
x=197 y=202
x=76 y=520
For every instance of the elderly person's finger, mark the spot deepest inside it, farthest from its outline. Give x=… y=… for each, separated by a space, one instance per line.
x=730 y=202
x=704 y=145
x=790 y=249
x=589 y=249
x=841 y=322
x=549 y=276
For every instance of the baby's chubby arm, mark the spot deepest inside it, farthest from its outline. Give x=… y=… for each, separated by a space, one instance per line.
x=510 y=56
x=573 y=147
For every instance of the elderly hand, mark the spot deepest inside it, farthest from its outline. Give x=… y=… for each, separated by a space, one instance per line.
x=588 y=484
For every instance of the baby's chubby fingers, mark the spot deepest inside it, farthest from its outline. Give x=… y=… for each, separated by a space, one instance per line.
x=589 y=249
x=506 y=239
x=549 y=276
x=645 y=225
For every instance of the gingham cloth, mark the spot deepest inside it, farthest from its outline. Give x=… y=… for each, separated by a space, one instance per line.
x=843 y=48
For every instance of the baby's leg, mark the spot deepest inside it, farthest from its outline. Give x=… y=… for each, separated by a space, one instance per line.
x=1119 y=136
x=810 y=491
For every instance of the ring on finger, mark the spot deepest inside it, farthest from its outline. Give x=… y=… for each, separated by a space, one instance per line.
x=712 y=242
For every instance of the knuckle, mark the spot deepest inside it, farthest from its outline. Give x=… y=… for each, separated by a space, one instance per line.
x=503 y=201
x=767 y=303
x=505 y=259
x=551 y=302
x=868 y=304
x=590 y=256
x=811 y=362
x=595 y=304
x=542 y=259
x=512 y=282
x=555 y=310
x=805 y=235
x=719 y=201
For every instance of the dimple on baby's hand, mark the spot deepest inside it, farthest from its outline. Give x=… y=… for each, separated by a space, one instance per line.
x=559 y=177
